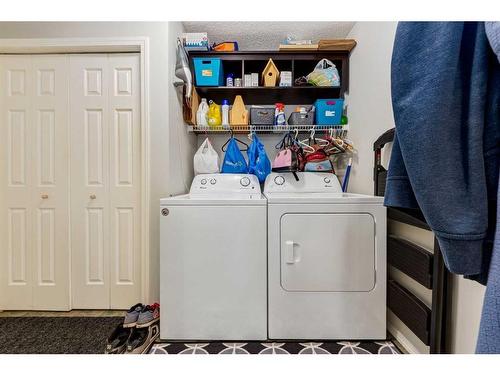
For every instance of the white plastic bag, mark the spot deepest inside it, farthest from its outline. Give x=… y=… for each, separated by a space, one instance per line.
x=206 y=159
x=324 y=74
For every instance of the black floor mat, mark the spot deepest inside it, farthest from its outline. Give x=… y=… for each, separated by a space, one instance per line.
x=290 y=347
x=55 y=335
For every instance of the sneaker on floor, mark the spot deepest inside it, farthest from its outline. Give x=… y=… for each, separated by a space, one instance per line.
x=117 y=341
x=132 y=315
x=141 y=339
x=150 y=314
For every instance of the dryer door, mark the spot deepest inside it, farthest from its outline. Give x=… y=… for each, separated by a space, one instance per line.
x=327 y=252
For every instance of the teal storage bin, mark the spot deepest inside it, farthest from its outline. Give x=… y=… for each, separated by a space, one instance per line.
x=208 y=71
x=329 y=111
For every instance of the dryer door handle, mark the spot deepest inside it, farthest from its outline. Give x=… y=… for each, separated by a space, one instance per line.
x=289 y=250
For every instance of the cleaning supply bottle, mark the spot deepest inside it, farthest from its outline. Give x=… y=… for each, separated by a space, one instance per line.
x=344 y=120
x=230 y=80
x=225 y=114
x=279 y=114
x=201 y=114
x=214 y=114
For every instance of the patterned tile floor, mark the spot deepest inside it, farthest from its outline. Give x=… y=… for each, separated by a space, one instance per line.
x=329 y=347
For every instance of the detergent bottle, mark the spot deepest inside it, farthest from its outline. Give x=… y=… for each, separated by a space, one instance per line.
x=225 y=114
x=214 y=114
x=279 y=114
x=201 y=114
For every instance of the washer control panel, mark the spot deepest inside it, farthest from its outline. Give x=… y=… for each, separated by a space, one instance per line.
x=220 y=183
x=302 y=182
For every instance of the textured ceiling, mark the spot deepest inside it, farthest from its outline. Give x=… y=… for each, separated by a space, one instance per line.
x=268 y=35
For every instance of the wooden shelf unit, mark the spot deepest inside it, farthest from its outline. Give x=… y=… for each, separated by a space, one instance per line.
x=300 y=63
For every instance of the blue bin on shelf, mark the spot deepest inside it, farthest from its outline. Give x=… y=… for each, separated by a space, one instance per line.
x=208 y=71
x=329 y=111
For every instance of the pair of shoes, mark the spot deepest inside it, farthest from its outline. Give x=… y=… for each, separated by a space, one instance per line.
x=137 y=333
x=140 y=316
x=132 y=340
x=117 y=341
x=141 y=339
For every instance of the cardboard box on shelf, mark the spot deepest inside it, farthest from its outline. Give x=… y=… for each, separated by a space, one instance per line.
x=255 y=79
x=247 y=80
x=195 y=41
x=286 y=79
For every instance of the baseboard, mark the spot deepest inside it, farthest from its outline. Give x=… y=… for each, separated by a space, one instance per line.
x=402 y=340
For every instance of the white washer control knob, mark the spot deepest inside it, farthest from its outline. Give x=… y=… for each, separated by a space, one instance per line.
x=213 y=181
x=327 y=180
x=245 y=181
x=279 y=180
x=204 y=181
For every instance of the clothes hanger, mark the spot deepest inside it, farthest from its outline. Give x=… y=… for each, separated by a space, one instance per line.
x=334 y=146
x=237 y=140
x=286 y=141
x=305 y=143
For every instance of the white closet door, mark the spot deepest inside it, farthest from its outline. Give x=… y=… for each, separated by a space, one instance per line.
x=125 y=180
x=34 y=182
x=50 y=167
x=16 y=132
x=90 y=233
x=105 y=180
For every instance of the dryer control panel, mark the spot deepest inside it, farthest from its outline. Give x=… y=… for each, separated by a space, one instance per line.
x=303 y=182
x=225 y=183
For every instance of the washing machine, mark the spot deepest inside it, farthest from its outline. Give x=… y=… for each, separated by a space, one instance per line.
x=213 y=261
x=326 y=260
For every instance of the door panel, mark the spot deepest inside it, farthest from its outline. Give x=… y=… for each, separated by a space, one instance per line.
x=50 y=176
x=125 y=198
x=89 y=140
x=105 y=115
x=17 y=250
x=327 y=252
x=16 y=138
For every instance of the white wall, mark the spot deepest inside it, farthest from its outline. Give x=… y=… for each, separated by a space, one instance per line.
x=369 y=100
x=370 y=114
x=182 y=145
x=164 y=110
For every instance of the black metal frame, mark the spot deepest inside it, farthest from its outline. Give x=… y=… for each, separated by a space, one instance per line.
x=428 y=269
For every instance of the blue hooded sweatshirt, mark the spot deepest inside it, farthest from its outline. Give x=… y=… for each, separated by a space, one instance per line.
x=445 y=157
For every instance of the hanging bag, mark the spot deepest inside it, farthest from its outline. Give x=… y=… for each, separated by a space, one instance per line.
x=318 y=161
x=290 y=156
x=206 y=159
x=234 y=161
x=324 y=74
x=258 y=162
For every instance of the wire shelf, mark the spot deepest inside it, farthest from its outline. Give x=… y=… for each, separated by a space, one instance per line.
x=338 y=130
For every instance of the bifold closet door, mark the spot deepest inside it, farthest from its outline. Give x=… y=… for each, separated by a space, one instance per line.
x=105 y=180
x=34 y=182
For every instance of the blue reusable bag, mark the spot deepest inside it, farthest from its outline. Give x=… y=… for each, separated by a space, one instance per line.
x=234 y=161
x=258 y=162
